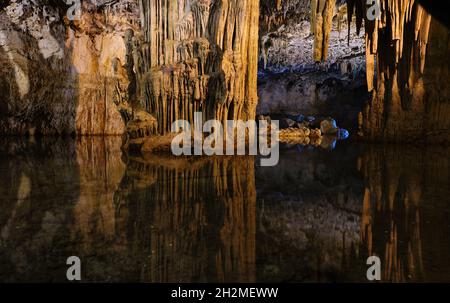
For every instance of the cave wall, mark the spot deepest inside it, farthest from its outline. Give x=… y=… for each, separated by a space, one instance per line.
x=198 y=56
x=405 y=48
x=89 y=76
x=407 y=53
x=172 y=58
x=65 y=77
x=275 y=13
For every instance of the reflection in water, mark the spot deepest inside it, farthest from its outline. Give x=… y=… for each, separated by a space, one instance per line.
x=190 y=220
x=406 y=218
x=39 y=181
x=314 y=217
x=153 y=219
x=309 y=210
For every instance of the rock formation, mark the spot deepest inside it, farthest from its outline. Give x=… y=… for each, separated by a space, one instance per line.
x=198 y=56
x=322 y=12
x=409 y=96
x=291 y=81
x=65 y=77
x=275 y=13
x=410 y=100
x=171 y=58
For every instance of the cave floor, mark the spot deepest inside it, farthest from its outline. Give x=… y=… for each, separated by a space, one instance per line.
x=317 y=216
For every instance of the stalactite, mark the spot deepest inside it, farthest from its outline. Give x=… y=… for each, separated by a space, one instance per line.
x=274 y=13
x=322 y=12
x=198 y=56
x=398 y=42
x=397 y=47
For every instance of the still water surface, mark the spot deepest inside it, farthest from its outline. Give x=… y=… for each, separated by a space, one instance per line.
x=316 y=216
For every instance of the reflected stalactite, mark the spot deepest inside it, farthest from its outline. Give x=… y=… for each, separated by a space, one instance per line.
x=165 y=219
x=190 y=220
x=101 y=171
x=403 y=185
x=156 y=219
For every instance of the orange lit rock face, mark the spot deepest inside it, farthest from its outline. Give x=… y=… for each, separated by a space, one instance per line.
x=322 y=12
x=74 y=77
x=79 y=76
x=99 y=57
x=403 y=107
x=204 y=60
x=410 y=93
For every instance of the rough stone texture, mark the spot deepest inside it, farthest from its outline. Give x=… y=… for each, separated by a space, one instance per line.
x=61 y=77
x=198 y=56
x=291 y=48
x=315 y=93
x=292 y=82
x=322 y=12
x=410 y=95
x=88 y=76
x=411 y=103
x=275 y=13
x=289 y=42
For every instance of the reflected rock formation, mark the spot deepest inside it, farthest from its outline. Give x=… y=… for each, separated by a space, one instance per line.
x=190 y=220
x=316 y=216
x=308 y=214
x=58 y=200
x=405 y=219
x=39 y=187
x=153 y=219
x=93 y=231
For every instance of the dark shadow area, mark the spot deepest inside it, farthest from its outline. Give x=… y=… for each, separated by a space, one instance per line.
x=323 y=214
x=40 y=186
x=438 y=9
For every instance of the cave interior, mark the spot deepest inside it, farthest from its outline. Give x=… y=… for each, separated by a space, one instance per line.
x=89 y=92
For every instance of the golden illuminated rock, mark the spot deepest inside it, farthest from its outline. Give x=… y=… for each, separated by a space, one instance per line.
x=205 y=59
